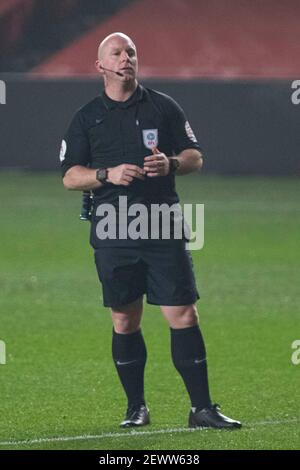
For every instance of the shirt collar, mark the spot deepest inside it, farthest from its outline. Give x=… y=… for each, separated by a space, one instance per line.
x=137 y=95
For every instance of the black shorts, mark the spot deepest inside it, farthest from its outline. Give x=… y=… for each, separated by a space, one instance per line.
x=163 y=270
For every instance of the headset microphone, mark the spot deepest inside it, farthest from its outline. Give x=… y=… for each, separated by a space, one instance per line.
x=109 y=70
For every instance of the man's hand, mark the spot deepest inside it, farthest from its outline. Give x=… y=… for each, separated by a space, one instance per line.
x=124 y=174
x=157 y=164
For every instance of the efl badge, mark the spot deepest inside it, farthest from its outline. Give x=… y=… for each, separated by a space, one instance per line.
x=150 y=138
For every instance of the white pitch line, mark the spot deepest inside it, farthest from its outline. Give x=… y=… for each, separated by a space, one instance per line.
x=109 y=435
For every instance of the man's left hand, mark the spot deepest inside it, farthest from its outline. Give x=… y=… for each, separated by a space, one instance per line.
x=157 y=164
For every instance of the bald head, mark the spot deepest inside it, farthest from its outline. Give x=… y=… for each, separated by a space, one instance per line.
x=117 y=53
x=111 y=40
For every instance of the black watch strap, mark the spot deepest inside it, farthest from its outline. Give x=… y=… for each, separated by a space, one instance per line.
x=174 y=165
x=101 y=175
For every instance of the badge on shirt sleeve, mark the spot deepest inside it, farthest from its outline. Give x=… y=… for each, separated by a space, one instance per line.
x=150 y=138
x=63 y=150
x=189 y=132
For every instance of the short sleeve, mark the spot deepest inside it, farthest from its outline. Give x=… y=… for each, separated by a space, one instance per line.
x=182 y=134
x=75 y=147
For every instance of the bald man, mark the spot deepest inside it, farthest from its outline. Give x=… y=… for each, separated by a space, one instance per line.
x=128 y=144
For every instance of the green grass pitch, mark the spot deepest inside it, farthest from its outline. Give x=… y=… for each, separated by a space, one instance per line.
x=59 y=383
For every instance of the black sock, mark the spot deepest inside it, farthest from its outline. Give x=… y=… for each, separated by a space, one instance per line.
x=189 y=358
x=130 y=355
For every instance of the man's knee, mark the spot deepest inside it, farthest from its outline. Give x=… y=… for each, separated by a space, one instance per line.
x=188 y=317
x=126 y=324
x=181 y=317
x=127 y=319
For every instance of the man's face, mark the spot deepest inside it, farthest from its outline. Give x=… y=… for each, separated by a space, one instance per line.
x=119 y=54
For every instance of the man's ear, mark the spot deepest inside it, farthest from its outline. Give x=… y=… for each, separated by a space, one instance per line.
x=98 y=66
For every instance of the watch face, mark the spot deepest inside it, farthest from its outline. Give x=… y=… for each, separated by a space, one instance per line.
x=102 y=175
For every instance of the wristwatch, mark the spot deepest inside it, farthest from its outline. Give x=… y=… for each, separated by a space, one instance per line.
x=101 y=175
x=174 y=165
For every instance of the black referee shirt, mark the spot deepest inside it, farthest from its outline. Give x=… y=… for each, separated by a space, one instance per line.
x=106 y=133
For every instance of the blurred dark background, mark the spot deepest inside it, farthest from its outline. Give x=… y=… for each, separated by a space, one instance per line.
x=229 y=63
